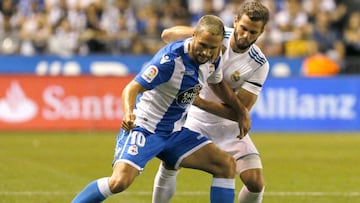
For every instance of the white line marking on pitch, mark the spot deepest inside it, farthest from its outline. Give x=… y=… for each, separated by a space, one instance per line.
x=184 y=193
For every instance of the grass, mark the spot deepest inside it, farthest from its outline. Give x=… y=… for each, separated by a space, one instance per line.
x=39 y=167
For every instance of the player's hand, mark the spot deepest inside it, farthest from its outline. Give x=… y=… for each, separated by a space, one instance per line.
x=197 y=101
x=128 y=121
x=244 y=124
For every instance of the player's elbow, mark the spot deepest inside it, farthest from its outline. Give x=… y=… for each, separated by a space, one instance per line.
x=165 y=35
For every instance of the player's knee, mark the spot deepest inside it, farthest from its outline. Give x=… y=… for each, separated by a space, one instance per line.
x=227 y=168
x=119 y=183
x=255 y=185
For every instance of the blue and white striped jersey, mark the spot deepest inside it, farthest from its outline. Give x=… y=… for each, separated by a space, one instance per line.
x=172 y=81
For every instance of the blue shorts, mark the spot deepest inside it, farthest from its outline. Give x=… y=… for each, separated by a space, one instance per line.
x=138 y=146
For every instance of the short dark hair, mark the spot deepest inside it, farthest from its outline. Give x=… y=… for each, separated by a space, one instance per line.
x=255 y=10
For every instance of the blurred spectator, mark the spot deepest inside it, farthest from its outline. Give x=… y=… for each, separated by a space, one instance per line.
x=292 y=21
x=120 y=24
x=352 y=43
x=64 y=41
x=76 y=15
x=29 y=7
x=270 y=41
x=336 y=7
x=8 y=11
x=292 y=25
x=174 y=12
x=228 y=12
x=149 y=30
x=352 y=35
x=204 y=7
x=94 y=36
x=9 y=37
x=34 y=34
x=312 y=7
x=328 y=38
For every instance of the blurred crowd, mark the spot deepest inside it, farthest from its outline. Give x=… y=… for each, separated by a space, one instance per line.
x=298 y=28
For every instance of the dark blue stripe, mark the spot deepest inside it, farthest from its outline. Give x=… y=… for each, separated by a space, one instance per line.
x=256 y=56
x=227 y=34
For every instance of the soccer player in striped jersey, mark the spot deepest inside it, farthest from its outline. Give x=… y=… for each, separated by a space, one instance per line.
x=245 y=69
x=153 y=127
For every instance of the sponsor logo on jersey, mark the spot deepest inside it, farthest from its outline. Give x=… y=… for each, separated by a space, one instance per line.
x=165 y=59
x=189 y=72
x=187 y=97
x=150 y=73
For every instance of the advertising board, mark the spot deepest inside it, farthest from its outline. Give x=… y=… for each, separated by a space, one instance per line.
x=61 y=103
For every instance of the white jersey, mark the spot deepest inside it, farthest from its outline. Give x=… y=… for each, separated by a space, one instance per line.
x=246 y=70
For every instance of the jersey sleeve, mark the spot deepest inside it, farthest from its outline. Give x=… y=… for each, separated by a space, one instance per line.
x=158 y=70
x=255 y=83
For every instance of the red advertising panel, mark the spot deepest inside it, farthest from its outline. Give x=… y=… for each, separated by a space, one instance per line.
x=61 y=103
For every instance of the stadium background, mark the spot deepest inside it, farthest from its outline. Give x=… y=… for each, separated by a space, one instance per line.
x=58 y=102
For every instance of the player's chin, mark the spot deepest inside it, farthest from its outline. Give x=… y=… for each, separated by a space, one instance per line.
x=202 y=59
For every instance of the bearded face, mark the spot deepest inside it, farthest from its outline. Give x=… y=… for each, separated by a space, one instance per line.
x=246 y=32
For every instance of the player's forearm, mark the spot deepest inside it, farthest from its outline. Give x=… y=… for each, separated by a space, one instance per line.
x=176 y=33
x=129 y=95
x=225 y=93
x=128 y=99
x=218 y=109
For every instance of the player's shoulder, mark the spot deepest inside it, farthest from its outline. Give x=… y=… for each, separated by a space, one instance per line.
x=167 y=54
x=176 y=48
x=228 y=32
x=256 y=54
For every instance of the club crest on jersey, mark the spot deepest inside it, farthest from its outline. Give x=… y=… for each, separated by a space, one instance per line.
x=187 y=97
x=150 y=73
x=235 y=76
x=133 y=150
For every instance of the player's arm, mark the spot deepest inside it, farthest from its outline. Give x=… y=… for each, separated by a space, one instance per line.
x=247 y=98
x=216 y=108
x=225 y=93
x=176 y=33
x=129 y=95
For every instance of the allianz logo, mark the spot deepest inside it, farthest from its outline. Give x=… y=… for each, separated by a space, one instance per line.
x=17 y=107
x=288 y=103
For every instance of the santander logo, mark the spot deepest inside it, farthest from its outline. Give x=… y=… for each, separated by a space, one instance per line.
x=56 y=103
x=15 y=107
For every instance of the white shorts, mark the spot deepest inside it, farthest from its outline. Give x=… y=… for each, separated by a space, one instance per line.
x=224 y=135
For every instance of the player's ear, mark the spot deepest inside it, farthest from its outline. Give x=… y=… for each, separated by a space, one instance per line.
x=236 y=19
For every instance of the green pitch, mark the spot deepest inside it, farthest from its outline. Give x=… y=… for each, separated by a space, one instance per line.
x=299 y=168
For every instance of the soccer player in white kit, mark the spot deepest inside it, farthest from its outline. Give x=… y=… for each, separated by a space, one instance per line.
x=245 y=69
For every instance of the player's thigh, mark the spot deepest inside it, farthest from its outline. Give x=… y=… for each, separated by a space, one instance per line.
x=211 y=159
x=137 y=147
